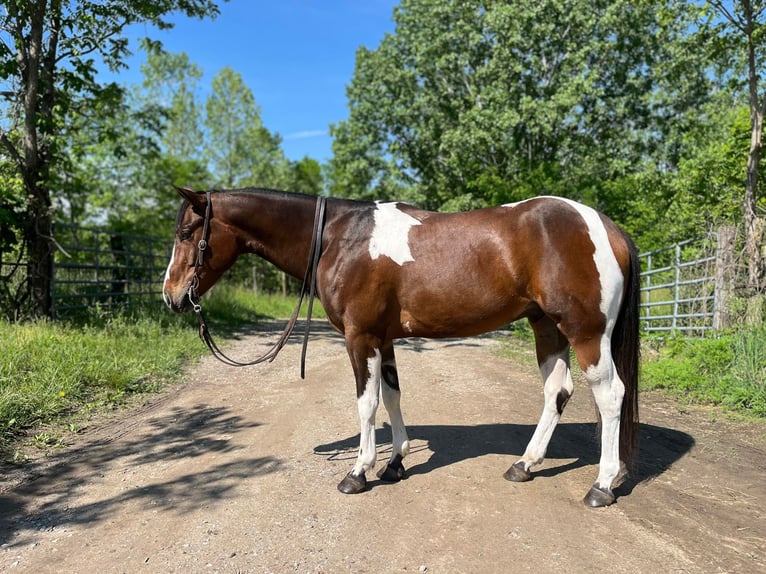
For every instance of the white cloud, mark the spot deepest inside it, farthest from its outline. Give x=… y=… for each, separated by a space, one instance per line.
x=306 y=134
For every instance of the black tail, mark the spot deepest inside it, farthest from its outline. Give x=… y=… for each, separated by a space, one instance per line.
x=625 y=352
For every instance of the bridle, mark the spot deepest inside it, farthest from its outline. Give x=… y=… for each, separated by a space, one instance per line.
x=309 y=284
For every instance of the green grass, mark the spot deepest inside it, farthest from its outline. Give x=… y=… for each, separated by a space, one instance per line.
x=51 y=370
x=728 y=370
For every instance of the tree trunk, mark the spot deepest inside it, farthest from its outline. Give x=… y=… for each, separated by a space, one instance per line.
x=40 y=264
x=39 y=95
x=754 y=271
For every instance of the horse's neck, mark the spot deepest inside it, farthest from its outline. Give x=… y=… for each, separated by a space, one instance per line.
x=279 y=228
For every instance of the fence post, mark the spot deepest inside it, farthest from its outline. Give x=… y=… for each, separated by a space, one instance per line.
x=677 y=285
x=724 y=276
x=648 y=286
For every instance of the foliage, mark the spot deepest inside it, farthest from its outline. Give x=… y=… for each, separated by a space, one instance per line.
x=48 y=77
x=241 y=150
x=475 y=103
x=729 y=370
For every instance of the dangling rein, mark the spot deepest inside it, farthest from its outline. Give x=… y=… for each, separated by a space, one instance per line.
x=309 y=284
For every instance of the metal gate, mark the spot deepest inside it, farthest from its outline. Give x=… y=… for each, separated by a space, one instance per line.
x=98 y=268
x=678 y=288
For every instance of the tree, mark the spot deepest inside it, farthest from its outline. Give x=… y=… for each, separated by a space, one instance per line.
x=171 y=84
x=120 y=158
x=241 y=150
x=746 y=29
x=472 y=103
x=48 y=51
x=305 y=176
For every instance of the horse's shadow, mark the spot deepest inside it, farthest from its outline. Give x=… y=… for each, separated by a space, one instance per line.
x=659 y=447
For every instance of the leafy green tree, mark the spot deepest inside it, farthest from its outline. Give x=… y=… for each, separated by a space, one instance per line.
x=241 y=150
x=305 y=176
x=48 y=53
x=470 y=103
x=171 y=87
x=744 y=31
x=121 y=159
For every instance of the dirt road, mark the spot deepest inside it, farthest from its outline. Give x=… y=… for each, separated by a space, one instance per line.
x=236 y=471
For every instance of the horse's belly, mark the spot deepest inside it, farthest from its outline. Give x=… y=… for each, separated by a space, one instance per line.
x=451 y=317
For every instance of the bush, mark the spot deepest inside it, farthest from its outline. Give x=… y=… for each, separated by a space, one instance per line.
x=728 y=370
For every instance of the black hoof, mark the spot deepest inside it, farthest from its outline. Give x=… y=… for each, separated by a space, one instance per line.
x=352 y=484
x=517 y=473
x=598 y=497
x=393 y=471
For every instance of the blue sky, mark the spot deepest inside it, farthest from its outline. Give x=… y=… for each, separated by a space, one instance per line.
x=297 y=56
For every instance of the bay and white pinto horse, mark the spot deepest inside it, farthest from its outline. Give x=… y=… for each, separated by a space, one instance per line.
x=386 y=271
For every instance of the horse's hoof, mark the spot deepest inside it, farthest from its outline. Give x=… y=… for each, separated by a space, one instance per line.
x=353 y=484
x=598 y=497
x=393 y=471
x=517 y=473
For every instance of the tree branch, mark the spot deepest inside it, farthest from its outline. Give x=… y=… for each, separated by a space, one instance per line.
x=14 y=153
x=733 y=19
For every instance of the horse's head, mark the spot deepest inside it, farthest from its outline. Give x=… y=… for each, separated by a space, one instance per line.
x=202 y=252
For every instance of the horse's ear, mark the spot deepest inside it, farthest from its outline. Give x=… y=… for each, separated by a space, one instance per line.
x=196 y=199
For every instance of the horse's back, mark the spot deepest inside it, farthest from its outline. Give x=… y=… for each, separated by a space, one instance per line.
x=439 y=274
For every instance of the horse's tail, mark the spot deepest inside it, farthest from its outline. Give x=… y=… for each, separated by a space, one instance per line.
x=625 y=353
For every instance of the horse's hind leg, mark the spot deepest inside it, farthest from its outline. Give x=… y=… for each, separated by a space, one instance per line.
x=400 y=447
x=553 y=359
x=608 y=389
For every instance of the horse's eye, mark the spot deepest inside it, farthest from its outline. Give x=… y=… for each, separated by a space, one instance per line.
x=184 y=235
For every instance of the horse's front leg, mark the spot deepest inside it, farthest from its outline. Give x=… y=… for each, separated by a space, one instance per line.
x=366 y=360
x=400 y=444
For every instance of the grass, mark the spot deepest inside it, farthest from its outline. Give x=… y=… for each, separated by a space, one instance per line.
x=48 y=371
x=728 y=370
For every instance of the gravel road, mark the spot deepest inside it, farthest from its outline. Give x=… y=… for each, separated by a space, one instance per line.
x=235 y=471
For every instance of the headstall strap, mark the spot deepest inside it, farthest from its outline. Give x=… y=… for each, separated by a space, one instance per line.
x=309 y=284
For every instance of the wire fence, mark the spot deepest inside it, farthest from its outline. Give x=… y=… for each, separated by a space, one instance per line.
x=687 y=287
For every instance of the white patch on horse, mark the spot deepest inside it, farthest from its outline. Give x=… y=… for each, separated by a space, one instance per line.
x=172 y=257
x=390 y=237
x=609 y=270
x=608 y=389
x=610 y=274
x=165 y=295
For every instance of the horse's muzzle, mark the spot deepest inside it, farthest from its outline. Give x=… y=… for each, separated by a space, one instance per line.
x=179 y=304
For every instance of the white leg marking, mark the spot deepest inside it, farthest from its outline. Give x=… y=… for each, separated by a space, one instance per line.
x=557 y=377
x=400 y=440
x=608 y=390
x=368 y=405
x=390 y=236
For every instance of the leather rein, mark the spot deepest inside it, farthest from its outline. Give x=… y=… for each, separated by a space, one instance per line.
x=309 y=285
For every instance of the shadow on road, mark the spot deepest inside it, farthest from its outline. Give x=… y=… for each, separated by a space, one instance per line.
x=180 y=435
x=659 y=447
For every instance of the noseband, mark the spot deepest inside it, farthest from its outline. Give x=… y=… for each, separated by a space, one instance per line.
x=309 y=285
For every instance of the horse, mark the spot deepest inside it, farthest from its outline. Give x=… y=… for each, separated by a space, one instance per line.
x=388 y=270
